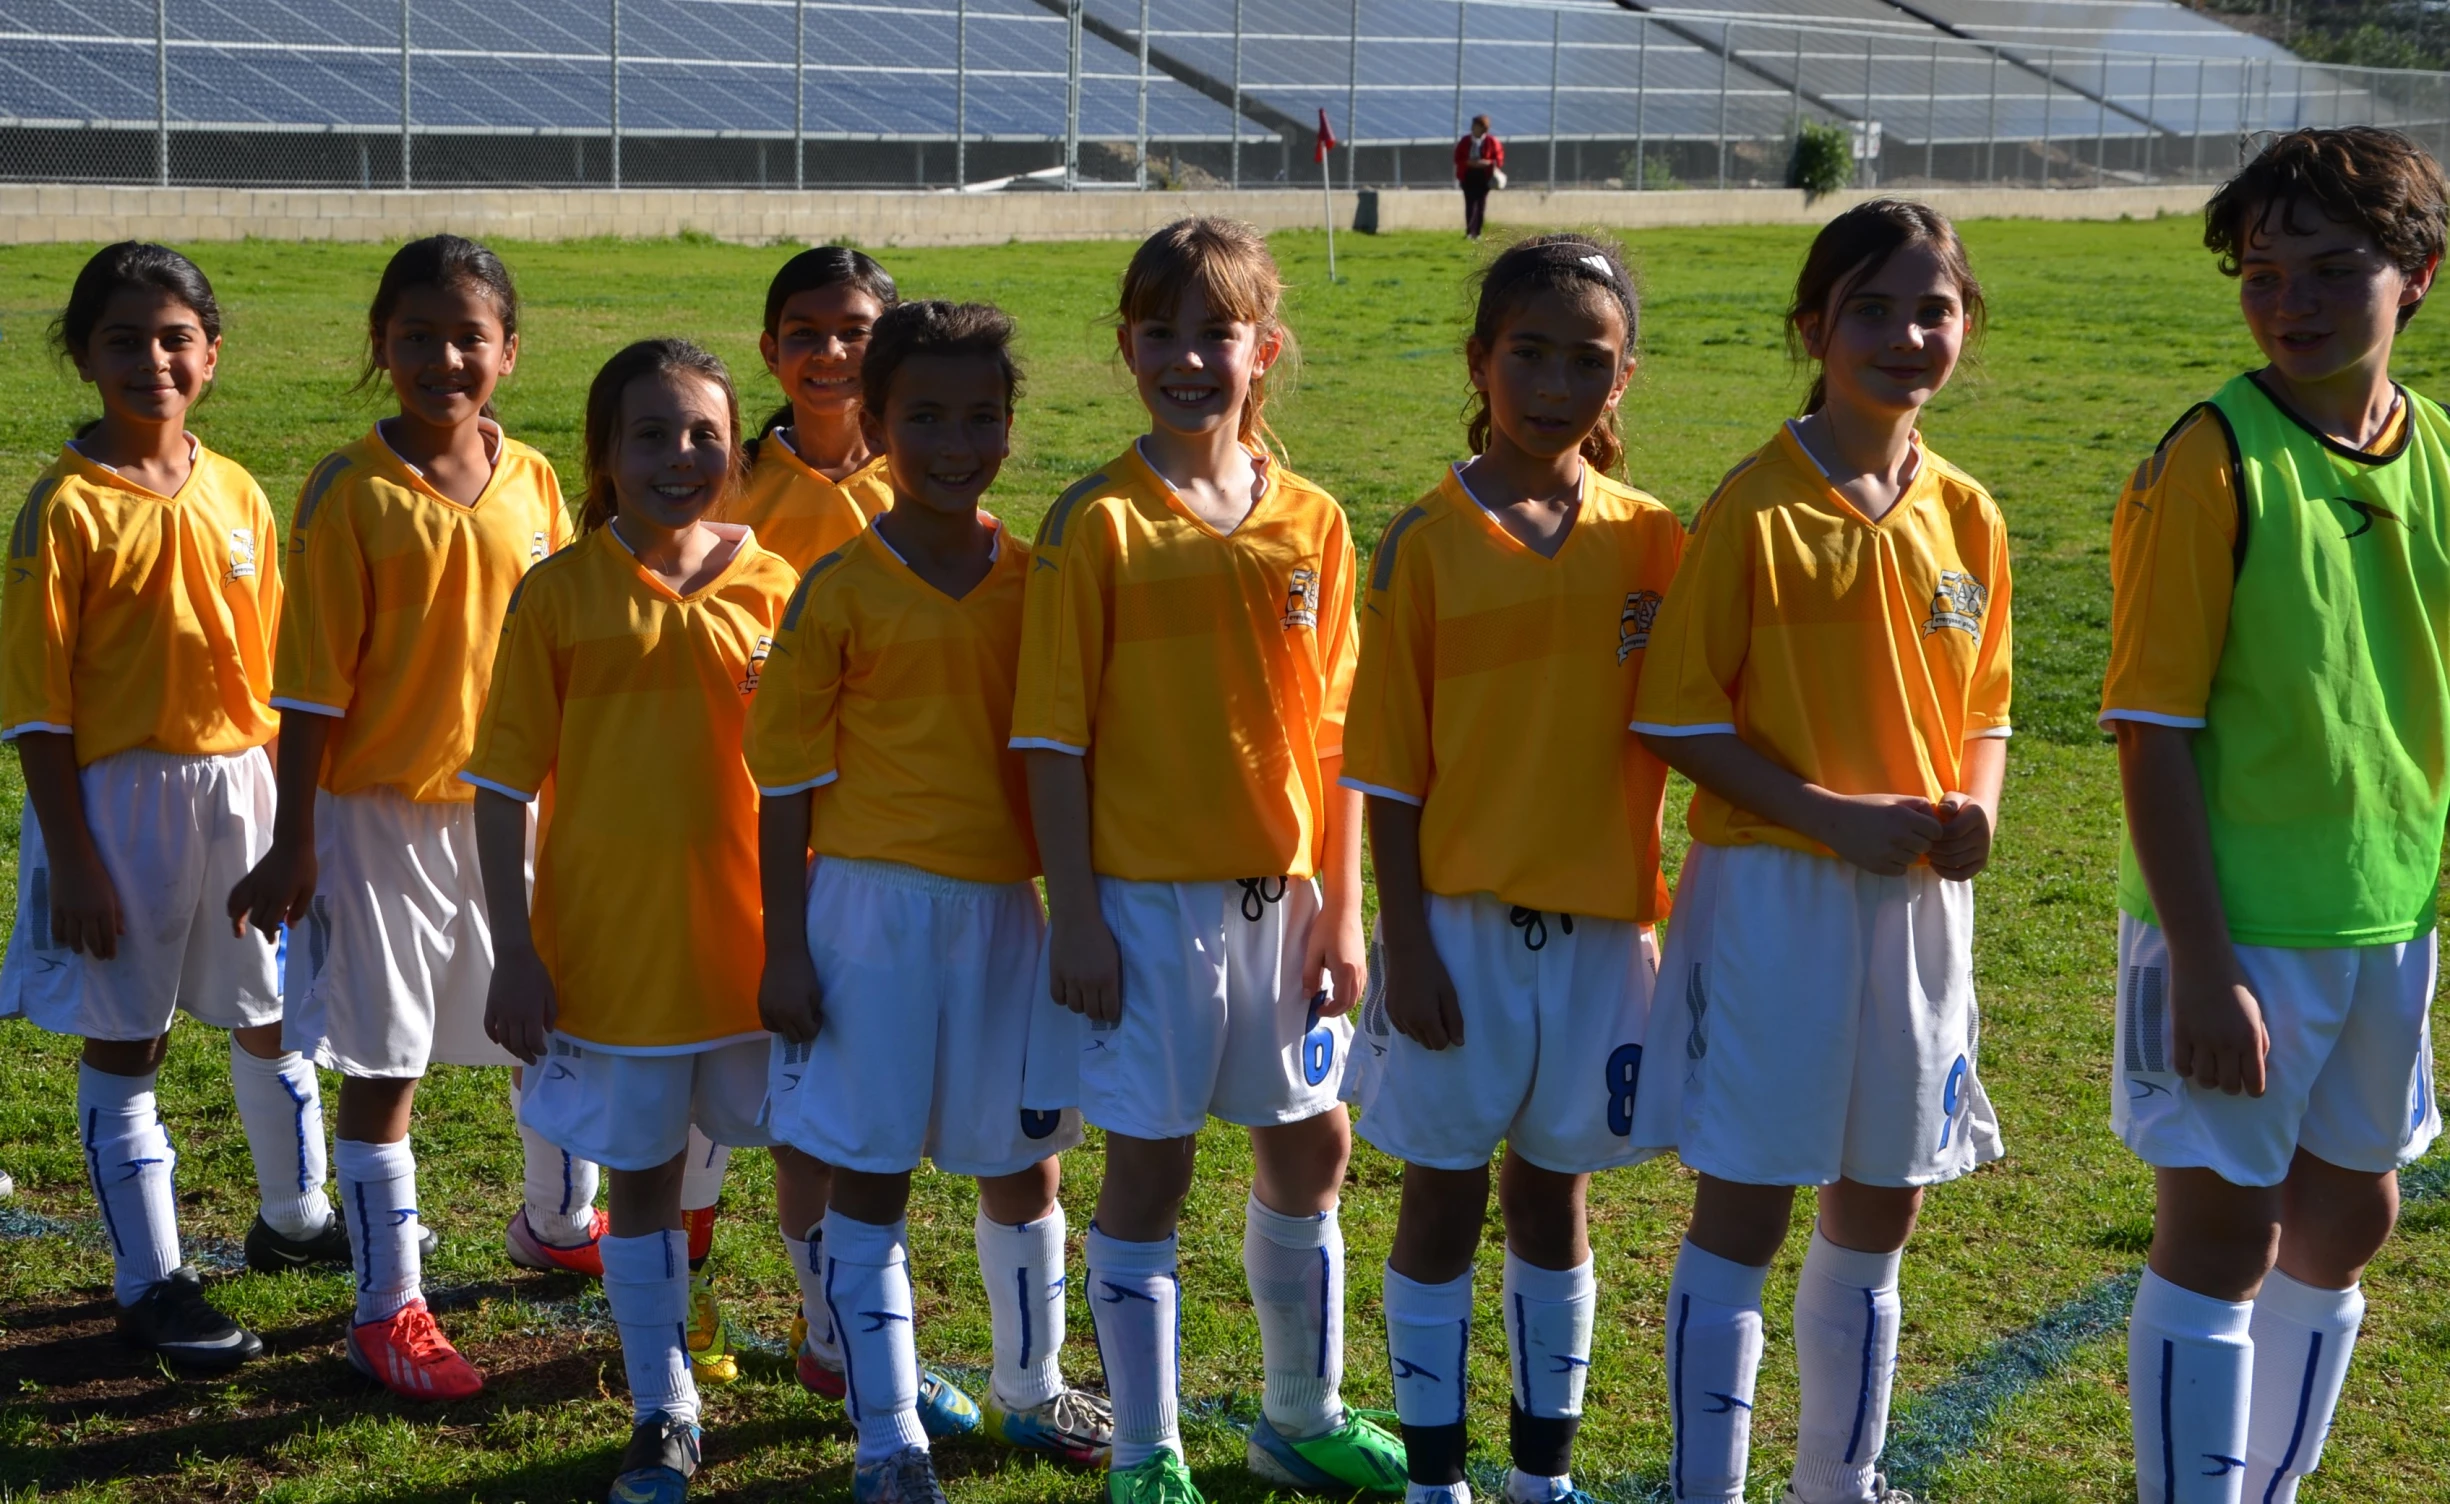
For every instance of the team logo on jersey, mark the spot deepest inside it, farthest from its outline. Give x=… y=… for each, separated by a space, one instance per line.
x=536 y=547
x=1633 y=623
x=1302 y=599
x=2367 y=512
x=1958 y=602
x=757 y=663
x=242 y=554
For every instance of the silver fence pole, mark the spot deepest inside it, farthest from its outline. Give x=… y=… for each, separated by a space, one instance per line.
x=961 y=92
x=406 y=177
x=1556 y=44
x=799 y=100
x=2101 y=126
x=1352 y=101
x=2050 y=88
x=616 y=94
x=1140 y=129
x=1726 y=33
x=1871 y=169
x=1794 y=124
x=1237 y=111
x=2194 y=165
x=1071 y=97
x=1461 y=13
x=2339 y=86
x=1641 y=106
x=2152 y=112
x=161 y=90
x=1990 y=142
x=1931 y=113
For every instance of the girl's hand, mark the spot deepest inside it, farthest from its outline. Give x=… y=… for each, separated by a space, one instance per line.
x=2220 y=1040
x=520 y=1004
x=1881 y=833
x=788 y=1001
x=1964 y=844
x=1421 y=1001
x=1336 y=960
x=85 y=914
x=276 y=891
x=1084 y=970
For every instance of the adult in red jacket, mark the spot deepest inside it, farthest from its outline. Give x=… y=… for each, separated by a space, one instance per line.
x=1480 y=164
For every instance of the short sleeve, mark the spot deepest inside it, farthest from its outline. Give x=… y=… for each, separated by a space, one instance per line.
x=1703 y=633
x=269 y=587
x=1386 y=746
x=558 y=531
x=794 y=723
x=1987 y=692
x=324 y=619
x=519 y=737
x=2173 y=570
x=1065 y=620
x=1340 y=635
x=38 y=617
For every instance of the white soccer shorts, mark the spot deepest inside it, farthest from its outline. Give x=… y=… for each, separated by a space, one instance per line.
x=176 y=834
x=388 y=971
x=1216 y=1019
x=1816 y=1021
x=927 y=986
x=2349 y=1078
x=632 y=1112
x=1555 y=1008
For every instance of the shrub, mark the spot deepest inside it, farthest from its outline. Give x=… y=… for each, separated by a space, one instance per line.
x=1823 y=161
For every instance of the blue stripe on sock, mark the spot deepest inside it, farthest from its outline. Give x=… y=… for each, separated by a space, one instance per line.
x=1522 y=1352
x=1863 y=1396
x=2296 y=1432
x=1675 y=1398
x=2169 y=1453
x=569 y=1187
x=1463 y=1348
x=299 y=1100
x=362 y=1253
x=850 y=1381
x=1324 y=1281
x=1021 y=1282
x=93 y=1175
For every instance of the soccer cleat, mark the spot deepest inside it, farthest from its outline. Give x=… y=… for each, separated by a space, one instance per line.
x=1358 y=1453
x=906 y=1477
x=8 y=1187
x=943 y=1409
x=408 y=1355
x=817 y=1376
x=1438 y=1493
x=1163 y=1479
x=271 y=1251
x=1554 y=1491
x=529 y=1251
x=710 y=1348
x=656 y=1466
x=175 y=1320
x=1076 y=1426
x=1881 y=1492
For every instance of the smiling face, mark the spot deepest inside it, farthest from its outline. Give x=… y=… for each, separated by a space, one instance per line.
x=1555 y=371
x=1890 y=341
x=1195 y=367
x=672 y=458
x=149 y=358
x=817 y=346
x=445 y=350
x=945 y=431
x=2320 y=297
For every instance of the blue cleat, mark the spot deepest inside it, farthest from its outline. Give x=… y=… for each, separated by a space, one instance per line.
x=943 y=1409
x=906 y=1477
x=658 y=1463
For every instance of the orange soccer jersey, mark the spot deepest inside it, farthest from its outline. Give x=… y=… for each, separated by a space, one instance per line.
x=895 y=700
x=396 y=594
x=1859 y=655
x=133 y=619
x=632 y=699
x=1202 y=674
x=800 y=512
x=1494 y=690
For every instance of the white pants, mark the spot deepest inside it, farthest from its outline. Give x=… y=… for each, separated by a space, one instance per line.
x=1816 y=1021
x=1555 y=1008
x=2349 y=1074
x=176 y=834
x=633 y=1112
x=927 y=986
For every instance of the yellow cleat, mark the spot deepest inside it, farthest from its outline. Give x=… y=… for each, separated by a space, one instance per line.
x=710 y=1348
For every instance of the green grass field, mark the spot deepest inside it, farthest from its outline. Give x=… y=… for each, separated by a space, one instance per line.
x=2101 y=335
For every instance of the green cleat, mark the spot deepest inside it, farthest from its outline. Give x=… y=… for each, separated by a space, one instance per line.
x=1359 y=1454
x=1163 y=1479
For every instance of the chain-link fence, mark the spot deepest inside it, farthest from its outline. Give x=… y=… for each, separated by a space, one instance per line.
x=1138 y=93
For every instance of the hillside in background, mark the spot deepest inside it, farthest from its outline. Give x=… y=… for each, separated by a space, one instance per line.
x=2368 y=33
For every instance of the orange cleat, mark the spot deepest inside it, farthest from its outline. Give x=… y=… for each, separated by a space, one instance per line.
x=529 y=1251
x=408 y=1355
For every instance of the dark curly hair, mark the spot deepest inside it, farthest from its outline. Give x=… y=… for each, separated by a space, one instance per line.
x=2378 y=180
x=1587 y=268
x=935 y=327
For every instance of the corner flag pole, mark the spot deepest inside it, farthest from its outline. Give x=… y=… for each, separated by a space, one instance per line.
x=1327 y=197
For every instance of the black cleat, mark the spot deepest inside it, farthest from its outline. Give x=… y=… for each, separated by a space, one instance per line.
x=175 y=1320
x=271 y=1251
x=656 y=1466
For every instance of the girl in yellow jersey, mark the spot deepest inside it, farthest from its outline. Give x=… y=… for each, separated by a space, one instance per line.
x=1508 y=616
x=1831 y=669
x=402 y=555
x=1186 y=654
x=625 y=674
x=135 y=674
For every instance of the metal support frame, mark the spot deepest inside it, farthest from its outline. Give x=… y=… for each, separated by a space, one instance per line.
x=1641 y=108
x=2050 y=90
x=615 y=8
x=799 y=97
x=2152 y=113
x=961 y=94
x=1352 y=98
x=407 y=177
x=1931 y=113
x=1235 y=125
x=1871 y=169
x=1990 y=134
x=1071 y=96
x=1556 y=47
x=1726 y=34
x=161 y=90
x=1461 y=12
x=1140 y=129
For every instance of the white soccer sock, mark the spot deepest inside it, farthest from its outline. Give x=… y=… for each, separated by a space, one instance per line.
x=1295 y=1266
x=1713 y=1355
x=378 y=1194
x=1429 y=1333
x=1023 y=1268
x=646 y=1282
x=808 y=1267
x=128 y=1160
x=1135 y=1305
x=702 y=1172
x=2303 y=1335
x=2190 y=1364
x=1846 y=1319
x=867 y=1283
x=280 y=1105
x=560 y=1187
x=1548 y=1331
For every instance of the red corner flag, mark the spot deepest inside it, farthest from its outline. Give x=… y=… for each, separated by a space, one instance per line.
x=1327 y=139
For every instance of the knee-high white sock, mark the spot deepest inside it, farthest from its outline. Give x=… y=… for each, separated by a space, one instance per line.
x=2303 y=1335
x=1135 y=1305
x=1429 y=1335
x=1023 y=1268
x=280 y=1105
x=1295 y=1266
x=1846 y=1318
x=378 y=1194
x=808 y=1267
x=1548 y=1335
x=1713 y=1355
x=702 y=1172
x=2190 y=1365
x=646 y=1282
x=560 y=1187
x=867 y=1283
x=128 y=1160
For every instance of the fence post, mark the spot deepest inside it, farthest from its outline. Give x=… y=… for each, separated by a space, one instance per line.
x=2101 y=127
x=799 y=101
x=1556 y=44
x=2152 y=112
x=1352 y=100
x=1931 y=113
x=1794 y=125
x=1237 y=112
x=1726 y=33
x=1641 y=107
x=161 y=92
x=1461 y=11
x=2339 y=88
x=1871 y=169
x=2194 y=165
x=616 y=94
x=2050 y=89
x=405 y=177
x=1140 y=130
x=1071 y=97
x=1990 y=134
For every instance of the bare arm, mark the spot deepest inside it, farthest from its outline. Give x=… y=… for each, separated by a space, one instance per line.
x=1970 y=817
x=2219 y=1038
x=1335 y=957
x=1881 y=833
x=85 y=913
x=283 y=883
x=787 y=1000
x=1084 y=970
x=520 y=1005
x=1421 y=1001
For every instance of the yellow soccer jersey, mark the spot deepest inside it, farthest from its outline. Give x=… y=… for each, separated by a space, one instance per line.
x=632 y=700
x=1494 y=690
x=1859 y=655
x=1203 y=675
x=133 y=619
x=800 y=513
x=894 y=701
x=396 y=595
